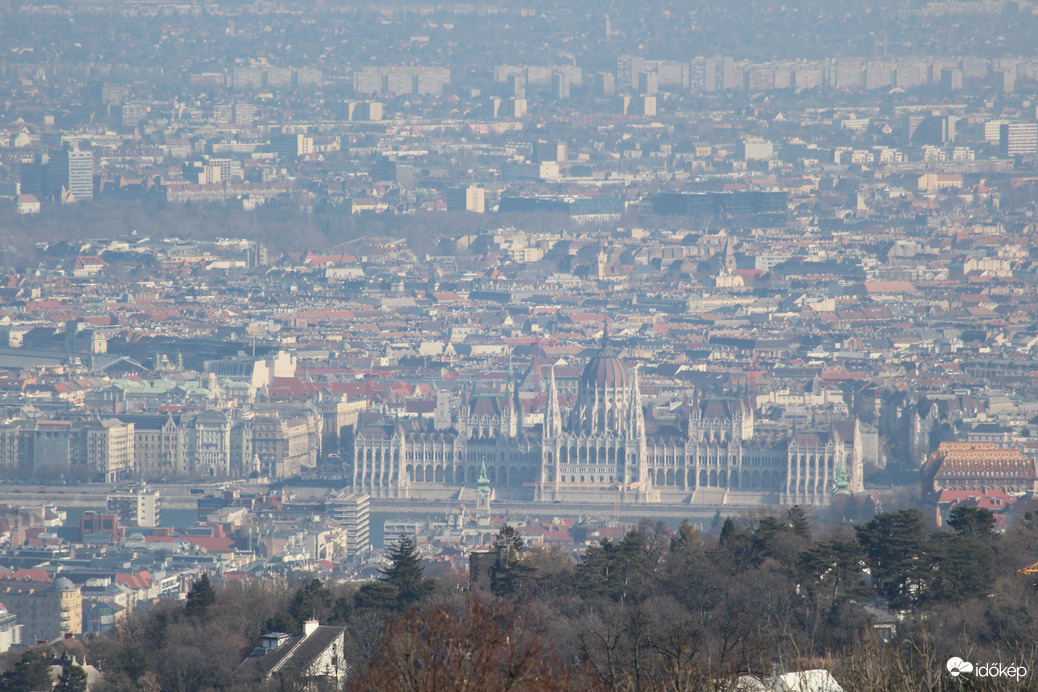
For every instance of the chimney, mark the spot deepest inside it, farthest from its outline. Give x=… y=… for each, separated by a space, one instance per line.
x=309 y=627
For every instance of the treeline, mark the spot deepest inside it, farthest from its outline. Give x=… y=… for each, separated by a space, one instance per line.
x=657 y=610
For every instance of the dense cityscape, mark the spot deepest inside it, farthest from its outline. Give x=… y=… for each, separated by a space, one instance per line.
x=534 y=346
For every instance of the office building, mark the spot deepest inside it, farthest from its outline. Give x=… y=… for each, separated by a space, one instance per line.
x=1016 y=139
x=72 y=171
x=136 y=506
x=470 y=198
x=352 y=511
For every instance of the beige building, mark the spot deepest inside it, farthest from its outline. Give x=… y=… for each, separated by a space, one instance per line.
x=137 y=506
x=45 y=610
x=109 y=449
x=979 y=466
x=602 y=451
x=337 y=414
x=284 y=446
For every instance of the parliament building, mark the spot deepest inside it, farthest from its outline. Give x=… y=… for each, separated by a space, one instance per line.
x=603 y=449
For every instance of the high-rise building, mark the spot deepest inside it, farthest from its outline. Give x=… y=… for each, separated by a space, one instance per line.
x=51 y=176
x=469 y=198
x=1017 y=139
x=560 y=86
x=292 y=145
x=517 y=108
x=549 y=151
x=351 y=509
x=627 y=68
x=72 y=170
x=993 y=131
x=648 y=83
x=136 y=506
x=951 y=80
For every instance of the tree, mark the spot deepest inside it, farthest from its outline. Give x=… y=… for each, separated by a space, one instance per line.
x=377 y=596
x=510 y=576
x=73 y=679
x=312 y=601
x=405 y=571
x=774 y=539
x=201 y=596
x=727 y=531
x=960 y=567
x=31 y=673
x=468 y=644
x=800 y=520
x=627 y=569
x=895 y=549
x=972 y=522
x=737 y=545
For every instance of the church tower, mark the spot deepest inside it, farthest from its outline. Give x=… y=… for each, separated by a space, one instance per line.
x=483 y=493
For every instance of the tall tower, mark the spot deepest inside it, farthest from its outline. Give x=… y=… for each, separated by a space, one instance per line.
x=553 y=416
x=483 y=493
x=73 y=170
x=636 y=433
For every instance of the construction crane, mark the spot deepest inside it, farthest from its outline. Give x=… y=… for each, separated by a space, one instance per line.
x=1031 y=569
x=616 y=500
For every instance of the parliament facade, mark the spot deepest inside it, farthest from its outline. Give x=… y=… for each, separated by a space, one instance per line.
x=603 y=449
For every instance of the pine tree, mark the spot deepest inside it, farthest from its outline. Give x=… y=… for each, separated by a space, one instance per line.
x=727 y=531
x=201 y=596
x=972 y=522
x=510 y=576
x=800 y=520
x=32 y=672
x=73 y=679
x=895 y=550
x=405 y=571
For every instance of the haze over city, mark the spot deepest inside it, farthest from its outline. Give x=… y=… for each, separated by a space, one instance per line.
x=533 y=346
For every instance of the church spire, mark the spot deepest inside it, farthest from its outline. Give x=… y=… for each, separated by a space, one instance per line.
x=552 y=415
x=509 y=426
x=635 y=415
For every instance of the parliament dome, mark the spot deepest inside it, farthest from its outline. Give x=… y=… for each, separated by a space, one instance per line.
x=602 y=371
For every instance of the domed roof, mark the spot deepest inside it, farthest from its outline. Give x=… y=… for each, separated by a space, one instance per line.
x=604 y=370
x=63 y=584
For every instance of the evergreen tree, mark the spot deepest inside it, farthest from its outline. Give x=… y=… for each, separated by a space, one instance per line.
x=623 y=571
x=312 y=601
x=832 y=567
x=405 y=571
x=961 y=567
x=31 y=673
x=510 y=576
x=377 y=596
x=895 y=549
x=281 y=622
x=715 y=523
x=800 y=520
x=972 y=522
x=727 y=531
x=73 y=679
x=738 y=545
x=201 y=596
